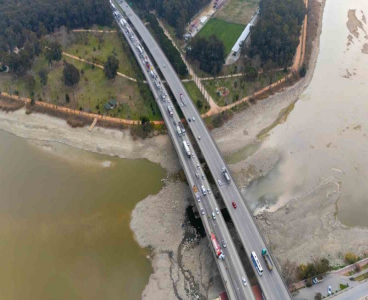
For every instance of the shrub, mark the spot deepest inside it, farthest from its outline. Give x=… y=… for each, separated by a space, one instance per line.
x=309 y=282
x=351 y=258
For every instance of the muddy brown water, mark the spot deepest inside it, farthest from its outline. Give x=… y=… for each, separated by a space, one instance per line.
x=324 y=138
x=64 y=222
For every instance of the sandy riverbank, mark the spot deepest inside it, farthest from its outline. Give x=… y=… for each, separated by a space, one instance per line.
x=104 y=141
x=306 y=228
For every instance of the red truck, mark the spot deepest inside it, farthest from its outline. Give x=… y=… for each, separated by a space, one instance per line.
x=217 y=248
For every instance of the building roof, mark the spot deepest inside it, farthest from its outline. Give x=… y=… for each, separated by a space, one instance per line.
x=242 y=38
x=113 y=102
x=204 y=19
x=245 y=33
x=107 y=106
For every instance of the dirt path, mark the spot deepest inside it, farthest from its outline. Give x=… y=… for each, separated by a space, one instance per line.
x=77 y=112
x=300 y=51
x=96 y=65
x=94 y=30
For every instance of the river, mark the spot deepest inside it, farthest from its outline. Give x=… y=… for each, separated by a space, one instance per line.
x=64 y=222
x=324 y=138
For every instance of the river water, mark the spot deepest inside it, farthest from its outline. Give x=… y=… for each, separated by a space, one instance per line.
x=64 y=222
x=324 y=138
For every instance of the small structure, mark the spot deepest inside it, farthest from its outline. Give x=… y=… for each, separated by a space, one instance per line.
x=204 y=19
x=111 y=104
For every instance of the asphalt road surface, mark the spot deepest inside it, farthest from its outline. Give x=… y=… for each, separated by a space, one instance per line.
x=231 y=267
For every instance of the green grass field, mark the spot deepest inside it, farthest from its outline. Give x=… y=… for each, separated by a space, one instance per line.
x=89 y=45
x=195 y=94
x=238 y=87
x=227 y=32
x=93 y=90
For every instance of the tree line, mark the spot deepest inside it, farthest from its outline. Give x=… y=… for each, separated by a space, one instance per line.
x=167 y=46
x=275 y=37
x=177 y=12
x=24 y=22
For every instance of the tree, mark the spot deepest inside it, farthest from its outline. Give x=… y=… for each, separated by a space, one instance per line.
x=67 y=98
x=53 y=52
x=71 y=74
x=275 y=37
x=111 y=67
x=43 y=73
x=209 y=52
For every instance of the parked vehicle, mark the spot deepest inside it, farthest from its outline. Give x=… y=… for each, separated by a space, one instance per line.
x=329 y=291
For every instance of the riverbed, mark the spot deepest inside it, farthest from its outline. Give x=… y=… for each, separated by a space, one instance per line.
x=324 y=138
x=65 y=216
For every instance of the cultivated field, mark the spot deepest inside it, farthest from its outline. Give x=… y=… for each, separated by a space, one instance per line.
x=238 y=11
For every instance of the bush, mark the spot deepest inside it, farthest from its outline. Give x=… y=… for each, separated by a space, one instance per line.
x=309 y=282
x=318 y=296
x=351 y=258
x=313 y=269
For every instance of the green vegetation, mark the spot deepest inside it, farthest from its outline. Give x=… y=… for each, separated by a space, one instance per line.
x=23 y=22
x=313 y=269
x=71 y=75
x=97 y=47
x=227 y=32
x=351 y=258
x=197 y=97
x=111 y=67
x=240 y=87
x=177 y=12
x=93 y=90
x=343 y=286
x=275 y=37
x=208 y=53
x=238 y=11
x=362 y=277
x=167 y=46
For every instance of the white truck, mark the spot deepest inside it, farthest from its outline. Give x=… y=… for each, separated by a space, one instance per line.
x=226 y=175
x=186 y=148
x=170 y=110
x=178 y=130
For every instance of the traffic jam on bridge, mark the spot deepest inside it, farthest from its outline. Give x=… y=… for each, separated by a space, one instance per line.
x=203 y=189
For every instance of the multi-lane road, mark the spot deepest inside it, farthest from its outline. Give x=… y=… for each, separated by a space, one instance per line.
x=231 y=269
x=271 y=282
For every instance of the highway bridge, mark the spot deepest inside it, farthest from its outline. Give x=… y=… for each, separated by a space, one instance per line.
x=231 y=268
x=271 y=282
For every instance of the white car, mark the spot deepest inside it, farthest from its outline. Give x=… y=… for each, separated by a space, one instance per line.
x=213 y=216
x=219 y=182
x=198 y=167
x=329 y=290
x=209 y=191
x=244 y=281
x=193 y=119
x=202 y=211
x=198 y=198
x=217 y=211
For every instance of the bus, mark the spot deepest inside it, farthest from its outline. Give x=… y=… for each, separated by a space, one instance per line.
x=256 y=263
